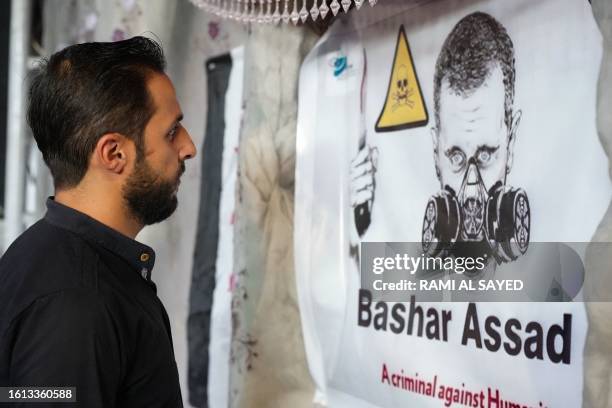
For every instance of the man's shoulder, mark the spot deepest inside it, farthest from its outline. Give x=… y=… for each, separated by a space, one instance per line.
x=45 y=259
x=44 y=247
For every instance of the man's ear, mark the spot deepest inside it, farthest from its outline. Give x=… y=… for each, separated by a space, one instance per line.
x=111 y=152
x=434 y=141
x=516 y=121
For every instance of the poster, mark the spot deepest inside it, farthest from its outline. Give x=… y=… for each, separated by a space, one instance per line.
x=468 y=105
x=220 y=328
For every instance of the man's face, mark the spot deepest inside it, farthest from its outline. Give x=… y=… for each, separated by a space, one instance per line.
x=151 y=188
x=473 y=127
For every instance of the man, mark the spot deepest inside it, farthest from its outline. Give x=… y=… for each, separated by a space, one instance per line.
x=473 y=141
x=77 y=305
x=473 y=144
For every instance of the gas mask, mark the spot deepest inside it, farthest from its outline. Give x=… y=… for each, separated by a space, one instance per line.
x=496 y=222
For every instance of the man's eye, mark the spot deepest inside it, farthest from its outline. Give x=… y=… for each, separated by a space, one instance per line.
x=173 y=132
x=484 y=157
x=457 y=160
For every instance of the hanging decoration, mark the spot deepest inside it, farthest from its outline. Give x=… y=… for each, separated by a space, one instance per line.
x=276 y=11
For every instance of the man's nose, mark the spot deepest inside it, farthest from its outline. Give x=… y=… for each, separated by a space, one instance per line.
x=188 y=149
x=472 y=174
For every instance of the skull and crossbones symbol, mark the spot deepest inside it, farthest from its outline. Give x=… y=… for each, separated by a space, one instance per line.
x=402 y=96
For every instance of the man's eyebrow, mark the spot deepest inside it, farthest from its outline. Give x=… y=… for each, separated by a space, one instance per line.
x=487 y=148
x=451 y=150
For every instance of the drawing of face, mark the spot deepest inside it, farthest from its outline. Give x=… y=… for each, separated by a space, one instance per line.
x=473 y=146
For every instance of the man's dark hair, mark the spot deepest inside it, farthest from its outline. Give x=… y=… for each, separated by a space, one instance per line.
x=85 y=91
x=477 y=44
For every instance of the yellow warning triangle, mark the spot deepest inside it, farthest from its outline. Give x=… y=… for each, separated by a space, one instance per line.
x=404 y=106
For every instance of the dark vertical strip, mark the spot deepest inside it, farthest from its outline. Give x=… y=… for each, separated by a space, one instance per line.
x=5 y=27
x=207 y=235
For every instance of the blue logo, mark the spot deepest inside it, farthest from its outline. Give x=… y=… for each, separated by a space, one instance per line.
x=340 y=65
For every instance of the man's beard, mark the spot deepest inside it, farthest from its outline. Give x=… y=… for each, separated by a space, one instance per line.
x=149 y=198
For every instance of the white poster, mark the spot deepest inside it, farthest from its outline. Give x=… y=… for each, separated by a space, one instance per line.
x=411 y=111
x=221 y=314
